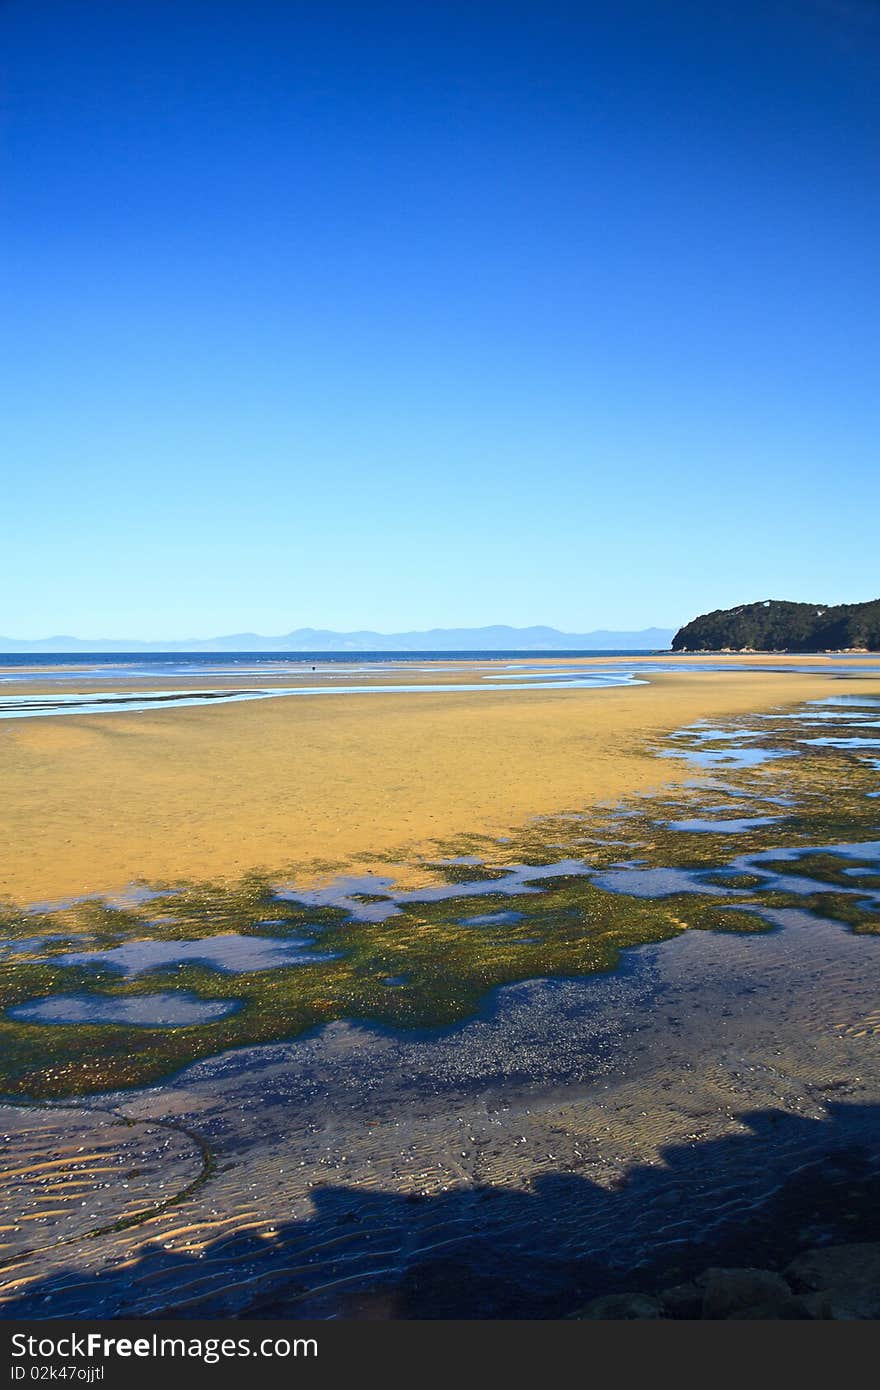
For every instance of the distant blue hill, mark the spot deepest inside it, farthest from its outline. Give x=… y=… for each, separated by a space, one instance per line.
x=308 y=639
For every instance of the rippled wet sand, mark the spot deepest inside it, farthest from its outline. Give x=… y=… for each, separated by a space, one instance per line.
x=596 y=1124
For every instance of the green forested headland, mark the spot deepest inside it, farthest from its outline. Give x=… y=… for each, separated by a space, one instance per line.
x=777 y=626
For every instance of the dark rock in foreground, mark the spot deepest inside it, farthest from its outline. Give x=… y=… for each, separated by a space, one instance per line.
x=840 y=1282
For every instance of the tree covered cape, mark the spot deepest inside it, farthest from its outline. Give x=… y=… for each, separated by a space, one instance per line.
x=777 y=626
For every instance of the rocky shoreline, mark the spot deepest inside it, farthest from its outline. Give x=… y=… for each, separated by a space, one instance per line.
x=838 y=1283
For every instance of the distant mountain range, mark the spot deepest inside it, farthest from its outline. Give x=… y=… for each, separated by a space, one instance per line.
x=309 y=639
x=775 y=625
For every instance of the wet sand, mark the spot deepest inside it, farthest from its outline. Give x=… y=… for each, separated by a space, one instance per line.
x=715 y=1100
x=339 y=782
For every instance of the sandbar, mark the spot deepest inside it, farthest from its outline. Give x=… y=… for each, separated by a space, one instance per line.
x=95 y=802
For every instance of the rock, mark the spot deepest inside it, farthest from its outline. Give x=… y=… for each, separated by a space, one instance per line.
x=817 y=1305
x=839 y=1281
x=748 y=1293
x=682 y=1301
x=791 y=1310
x=617 y=1306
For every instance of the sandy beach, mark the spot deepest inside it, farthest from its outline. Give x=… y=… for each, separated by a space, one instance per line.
x=675 y=994
x=319 y=785
x=439 y=675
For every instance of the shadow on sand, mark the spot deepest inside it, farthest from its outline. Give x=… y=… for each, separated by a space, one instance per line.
x=755 y=1198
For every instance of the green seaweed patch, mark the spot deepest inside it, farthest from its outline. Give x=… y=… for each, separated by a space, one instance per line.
x=16 y=924
x=448 y=966
x=443 y=962
x=735 y=879
x=861 y=916
x=465 y=873
x=830 y=868
x=187 y=912
x=712 y=916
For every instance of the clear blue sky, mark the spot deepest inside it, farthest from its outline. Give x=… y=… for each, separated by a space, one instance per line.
x=401 y=315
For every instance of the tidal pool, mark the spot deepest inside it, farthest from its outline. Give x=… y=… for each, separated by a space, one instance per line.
x=870 y=701
x=531 y=1087
x=373 y=898
x=656 y=883
x=492 y=919
x=488 y=911
x=843 y=742
x=139 y=1011
x=730 y=826
x=729 y=757
x=136 y=701
x=232 y=953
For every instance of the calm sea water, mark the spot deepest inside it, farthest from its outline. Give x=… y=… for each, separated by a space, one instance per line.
x=134 y=665
x=132 y=681
x=198 y=661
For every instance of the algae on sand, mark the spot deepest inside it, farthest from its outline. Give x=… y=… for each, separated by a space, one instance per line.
x=481 y=921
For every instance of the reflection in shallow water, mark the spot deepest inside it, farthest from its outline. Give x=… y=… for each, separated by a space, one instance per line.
x=535 y=1132
x=540 y=1146
x=871 y=701
x=114 y=702
x=520 y=878
x=232 y=953
x=348 y=892
x=843 y=742
x=656 y=883
x=492 y=919
x=142 y=1010
x=351 y=893
x=729 y=826
x=728 y=757
x=803 y=885
x=519 y=676
x=538 y=907
x=582 y=1105
x=21 y=945
x=710 y=733
x=848 y=849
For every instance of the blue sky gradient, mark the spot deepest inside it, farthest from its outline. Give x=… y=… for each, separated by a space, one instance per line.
x=399 y=315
